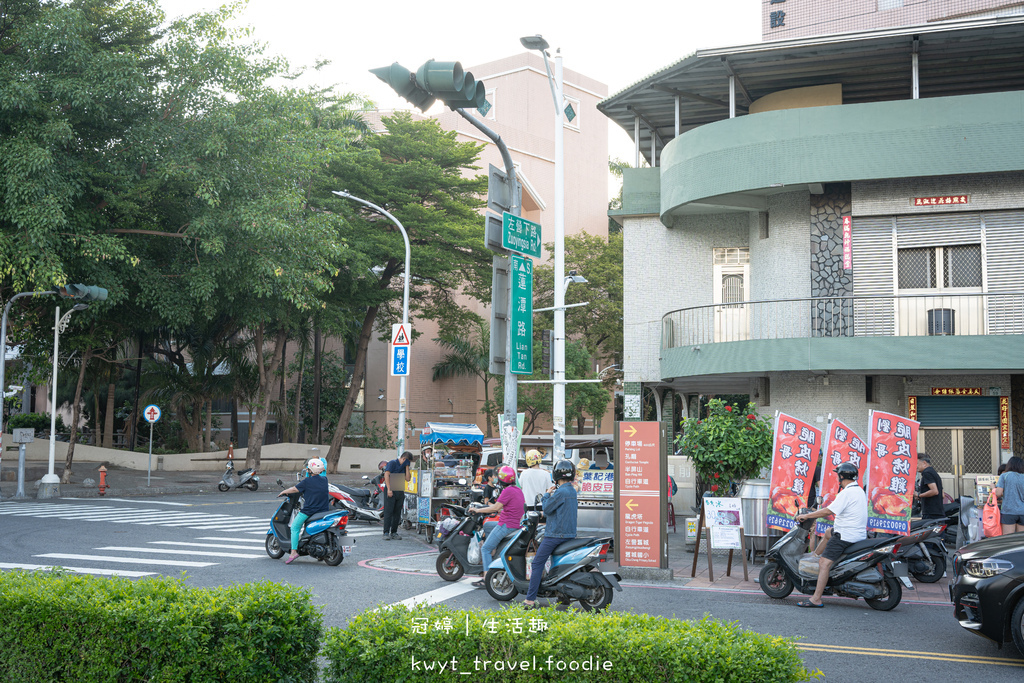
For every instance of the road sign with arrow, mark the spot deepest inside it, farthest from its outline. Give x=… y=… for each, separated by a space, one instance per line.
x=641 y=499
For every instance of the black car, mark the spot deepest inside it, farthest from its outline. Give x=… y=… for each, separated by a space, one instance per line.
x=987 y=589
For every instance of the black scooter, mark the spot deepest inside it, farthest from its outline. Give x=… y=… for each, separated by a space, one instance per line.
x=453 y=543
x=926 y=559
x=867 y=569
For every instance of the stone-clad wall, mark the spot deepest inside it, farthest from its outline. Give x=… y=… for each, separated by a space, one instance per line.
x=828 y=279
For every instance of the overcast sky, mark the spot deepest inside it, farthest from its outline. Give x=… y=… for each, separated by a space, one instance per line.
x=617 y=44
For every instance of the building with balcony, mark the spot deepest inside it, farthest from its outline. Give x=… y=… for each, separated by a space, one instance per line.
x=834 y=225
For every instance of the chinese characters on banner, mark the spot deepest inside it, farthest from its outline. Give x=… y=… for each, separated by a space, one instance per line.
x=640 y=494
x=940 y=201
x=892 y=455
x=1004 y=422
x=794 y=456
x=597 y=484
x=847 y=243
x=956 y=391
x=842 y=445
x=912 y=407
x=724 y=519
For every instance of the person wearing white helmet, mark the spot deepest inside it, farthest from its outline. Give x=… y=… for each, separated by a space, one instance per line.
x=315 y=499
x=533 y=480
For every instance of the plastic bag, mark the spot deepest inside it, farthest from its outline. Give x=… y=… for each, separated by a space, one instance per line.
x=529 y=566
x=990 y=518
x=808 y=564
x=473 y=554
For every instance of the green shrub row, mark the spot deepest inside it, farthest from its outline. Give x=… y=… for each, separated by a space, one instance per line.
x=547 y=645
x=67 y=627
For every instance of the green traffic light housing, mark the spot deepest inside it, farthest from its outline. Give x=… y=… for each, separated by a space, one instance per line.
x=402 y=82
x=449 y=83
x=83 y=292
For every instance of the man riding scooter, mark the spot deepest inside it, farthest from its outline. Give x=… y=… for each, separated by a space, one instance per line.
x=560 y=509
x=851 y=510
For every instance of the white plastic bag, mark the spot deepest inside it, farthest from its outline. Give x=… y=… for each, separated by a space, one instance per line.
x=473 y=554
x=529 y=566
x=808 y=564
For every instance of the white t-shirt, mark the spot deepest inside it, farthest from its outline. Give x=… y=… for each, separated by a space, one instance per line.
x=851 y=510
x=534 y=481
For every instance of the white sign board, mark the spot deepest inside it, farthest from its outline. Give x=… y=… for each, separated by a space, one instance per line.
x=724 y=519
x=151 y=413
x=24 y=435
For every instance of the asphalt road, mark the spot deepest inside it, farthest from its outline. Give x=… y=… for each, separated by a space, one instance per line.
x=218 y=539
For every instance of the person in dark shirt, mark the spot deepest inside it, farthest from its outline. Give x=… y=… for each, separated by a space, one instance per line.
x=315 y=499
x=929 y=491
x=395 y=475
x=489 y=480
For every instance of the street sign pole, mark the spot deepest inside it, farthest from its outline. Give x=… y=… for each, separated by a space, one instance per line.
x=152 y=415
x=149 y=466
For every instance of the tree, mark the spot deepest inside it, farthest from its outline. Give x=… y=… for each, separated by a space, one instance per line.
x=333 y=390
x=582 y=399
x=417 y=172
x=468 y=357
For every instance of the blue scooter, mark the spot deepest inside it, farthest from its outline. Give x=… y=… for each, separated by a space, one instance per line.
x=573 y=574
x=322 y=536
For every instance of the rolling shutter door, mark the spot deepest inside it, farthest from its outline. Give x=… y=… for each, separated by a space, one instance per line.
x=1004 y=254
x=938 y=230
x=958 y=411
x=873 y=276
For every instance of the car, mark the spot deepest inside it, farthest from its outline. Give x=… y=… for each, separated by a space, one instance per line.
x=987 y=589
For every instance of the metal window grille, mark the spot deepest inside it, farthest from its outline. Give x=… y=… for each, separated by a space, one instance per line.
x=916 y=268
x=732 y=288
x=729 y=256
x=978 y=450
x=962 y=265
x=938 y=443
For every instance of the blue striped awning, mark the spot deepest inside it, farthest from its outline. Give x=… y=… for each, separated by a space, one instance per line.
x=451 y=433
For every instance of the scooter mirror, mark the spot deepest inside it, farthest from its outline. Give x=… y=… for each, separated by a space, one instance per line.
x=462 y=481
x=365 y=477
x=280 y=483
x=819 y=500
x=540 y=497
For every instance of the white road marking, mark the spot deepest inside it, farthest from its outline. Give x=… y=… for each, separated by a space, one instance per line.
x=228 y=538
x=207 y=545
x=126 y=560
x=438 y=594
x=77 y=570
x=167 y=551
x=150 y=502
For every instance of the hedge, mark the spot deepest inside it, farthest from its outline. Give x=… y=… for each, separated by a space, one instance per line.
x=564 y=646
x=59 y=626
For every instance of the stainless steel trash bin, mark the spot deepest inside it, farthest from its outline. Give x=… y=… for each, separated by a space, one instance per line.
x=754 y=495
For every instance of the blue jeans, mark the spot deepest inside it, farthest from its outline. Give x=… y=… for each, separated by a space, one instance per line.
x=547 y=546
x=495 y=535
x=297 y=523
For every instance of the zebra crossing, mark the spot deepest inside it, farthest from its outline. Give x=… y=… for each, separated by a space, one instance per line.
x=85 y=512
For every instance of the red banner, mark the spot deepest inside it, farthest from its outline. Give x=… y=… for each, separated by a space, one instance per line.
x=794 y=455
x=1004 y=422
x=842 y=445
x=847 y=243
x=892 y=472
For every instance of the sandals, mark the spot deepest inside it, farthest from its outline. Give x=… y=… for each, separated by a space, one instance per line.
x=808 y=603
x=479 y=584
x=291 y=559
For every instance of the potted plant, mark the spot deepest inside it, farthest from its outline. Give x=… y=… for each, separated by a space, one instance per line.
x=726 y=447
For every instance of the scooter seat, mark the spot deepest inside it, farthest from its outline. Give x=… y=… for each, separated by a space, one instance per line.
x=867 y=543
x=318 y=515
x=572 y=544
x=355 y=493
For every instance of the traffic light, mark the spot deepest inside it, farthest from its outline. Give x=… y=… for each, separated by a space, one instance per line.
x=83 y=292
x=545 y=350
x=453 y=86
x=402 y=82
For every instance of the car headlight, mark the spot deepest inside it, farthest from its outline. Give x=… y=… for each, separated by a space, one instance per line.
x=983 y=569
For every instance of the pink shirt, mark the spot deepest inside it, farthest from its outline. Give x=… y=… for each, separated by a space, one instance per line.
x=513 y=506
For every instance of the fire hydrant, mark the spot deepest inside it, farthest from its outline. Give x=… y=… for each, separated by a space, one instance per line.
x=103 y=480
x=231 y=451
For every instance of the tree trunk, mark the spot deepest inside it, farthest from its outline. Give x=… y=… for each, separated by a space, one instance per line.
x=108 y=422
x=334 y=452
x=234 y=421
x=298 y=394
x=283 y=410
x=65 y=477
x=96 y=418
x=255 y=447
x=317 y=362
x=190 y=427
x=209 y=426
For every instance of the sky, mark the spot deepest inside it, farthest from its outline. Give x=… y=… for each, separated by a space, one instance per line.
x=617 y=44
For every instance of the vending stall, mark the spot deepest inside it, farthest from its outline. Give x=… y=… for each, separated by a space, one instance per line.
x=449 y=456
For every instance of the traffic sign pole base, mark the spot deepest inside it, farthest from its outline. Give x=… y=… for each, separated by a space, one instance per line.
x=49 y=487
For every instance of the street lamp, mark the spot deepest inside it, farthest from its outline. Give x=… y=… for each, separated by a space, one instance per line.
x=405 y=311
x=537 y=42
x=50 y=486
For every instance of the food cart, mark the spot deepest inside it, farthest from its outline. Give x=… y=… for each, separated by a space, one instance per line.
x=449 y=455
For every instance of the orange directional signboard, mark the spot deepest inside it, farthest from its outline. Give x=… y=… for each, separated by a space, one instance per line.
x=640 y=495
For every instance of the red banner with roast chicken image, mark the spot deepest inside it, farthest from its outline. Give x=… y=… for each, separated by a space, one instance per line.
x=794 y=456
x=892 y=454
x=842 y=445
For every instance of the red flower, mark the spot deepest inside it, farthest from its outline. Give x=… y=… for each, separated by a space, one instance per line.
x=729 y=408
x=716 y=475
x=751 y=417
x=714 y=487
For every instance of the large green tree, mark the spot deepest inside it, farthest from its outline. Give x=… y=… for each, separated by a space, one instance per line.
x=468 y=356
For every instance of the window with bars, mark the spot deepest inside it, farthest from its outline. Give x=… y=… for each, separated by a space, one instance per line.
x=727 y=256
x=954 y=267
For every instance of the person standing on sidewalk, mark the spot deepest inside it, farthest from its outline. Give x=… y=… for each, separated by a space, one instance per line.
x=560 y=510
x=394 y=479
x=929 y=491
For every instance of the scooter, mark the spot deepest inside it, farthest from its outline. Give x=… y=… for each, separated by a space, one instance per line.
x=867 y=569
x=322 y=536
x=454 y=533
x=342 y=499
x=230 y=480
x=925 y=559
x=573 y=574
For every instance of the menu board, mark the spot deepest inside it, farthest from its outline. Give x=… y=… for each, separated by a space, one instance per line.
x=640 y=495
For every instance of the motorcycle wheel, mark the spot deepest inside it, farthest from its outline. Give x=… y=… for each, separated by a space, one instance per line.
x=939 y=562
x=252 y=485
x=892 y=597
x=598 y=599
x=499 y=586
x=449 y=568
x=222 y=486
x=273 y=547
x=774 y=581
x=334 y=557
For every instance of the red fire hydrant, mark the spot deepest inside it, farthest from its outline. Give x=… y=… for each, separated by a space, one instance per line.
x=103 y=480
x=231 y=451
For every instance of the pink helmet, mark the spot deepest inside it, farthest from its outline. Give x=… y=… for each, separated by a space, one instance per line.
x=506 y=475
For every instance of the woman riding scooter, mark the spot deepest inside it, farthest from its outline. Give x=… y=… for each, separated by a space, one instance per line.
x=512 y=505
x=315 y=493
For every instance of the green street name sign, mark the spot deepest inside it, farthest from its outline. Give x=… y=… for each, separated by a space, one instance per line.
x=521 y=326
x=520 y=235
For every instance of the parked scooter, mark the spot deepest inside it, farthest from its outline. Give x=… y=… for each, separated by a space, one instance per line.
x=867 y=569
x=573 y=574
x=322 y=536
x=926 y=559
x=342 y=499
x=232 y=480
x=454 y=533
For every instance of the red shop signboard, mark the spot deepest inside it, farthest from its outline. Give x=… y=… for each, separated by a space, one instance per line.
x=640 y=495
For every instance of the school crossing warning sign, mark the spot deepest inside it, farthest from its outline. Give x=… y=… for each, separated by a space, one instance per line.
x=401 y=340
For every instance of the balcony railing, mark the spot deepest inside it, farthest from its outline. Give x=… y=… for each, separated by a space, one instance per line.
x=917 y=315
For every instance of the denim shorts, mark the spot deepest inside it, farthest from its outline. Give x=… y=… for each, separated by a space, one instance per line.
x=1008 y=518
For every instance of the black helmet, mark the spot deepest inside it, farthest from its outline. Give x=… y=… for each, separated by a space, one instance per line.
x=564 y=470
x=847 y=470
